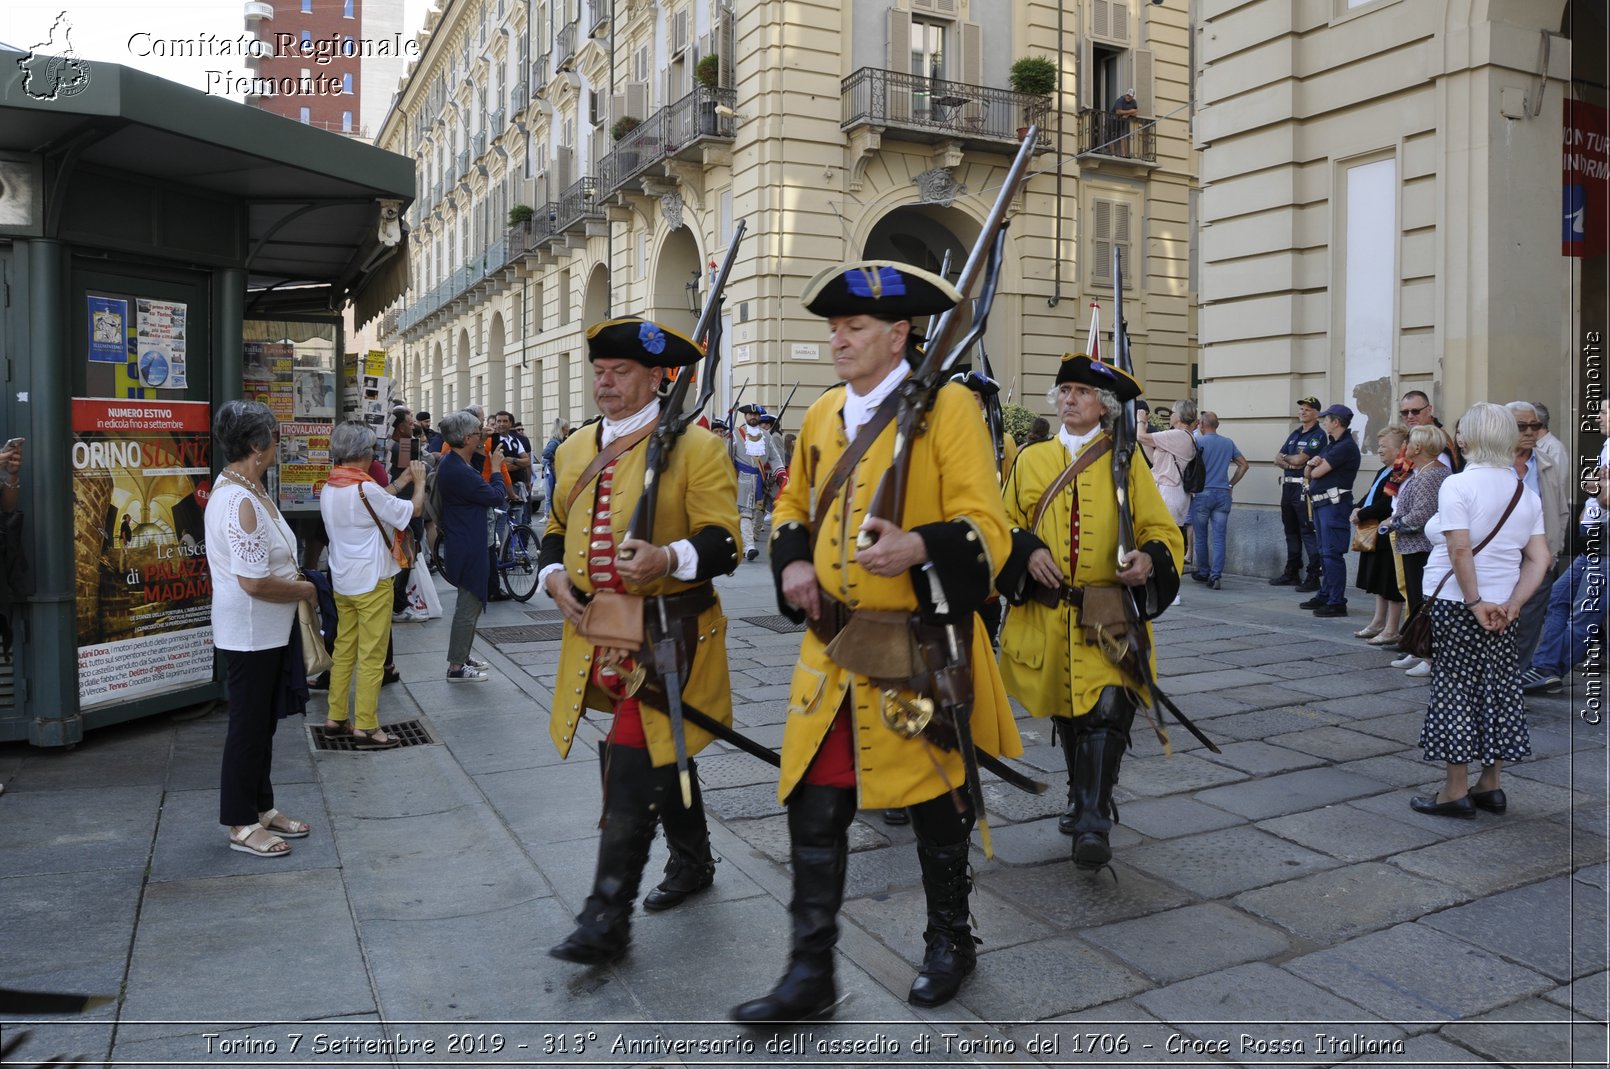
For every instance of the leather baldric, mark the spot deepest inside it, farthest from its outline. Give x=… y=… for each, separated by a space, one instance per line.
x=849 y=459
x=1102 y=447
x=606 y=456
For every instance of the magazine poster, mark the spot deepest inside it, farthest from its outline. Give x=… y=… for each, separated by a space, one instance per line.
x=141 y=477
x=108 y=320
x=161 y=344
x=304 y=462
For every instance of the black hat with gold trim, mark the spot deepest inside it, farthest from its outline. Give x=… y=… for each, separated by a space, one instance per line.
x=881 y=288
x=1077 y=367
x=978 y=382
x=631 y=338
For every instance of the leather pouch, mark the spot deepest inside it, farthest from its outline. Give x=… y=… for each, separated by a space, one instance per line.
x=614 y=620
x=878 y=645
x=1102 y=614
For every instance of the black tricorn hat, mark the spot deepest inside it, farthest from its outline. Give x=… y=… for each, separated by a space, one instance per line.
x=978 y=382
x=881 y=288
x=1077 y=367
x=631 y=338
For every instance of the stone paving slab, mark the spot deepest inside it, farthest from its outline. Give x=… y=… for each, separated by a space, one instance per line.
x=411 y=781
x=1039 y=842
x=1261 y=758
x=1589 y=996
x=1220 y=863
x=1418 y=976
x=1186 y=942
x=743 y=803
x=191 y=844
x=1337 y=743
x=897 y=919
x=1278 y=712
x=769 y=836
x=1222 y=680
x=49 y=831
x=1169 y=818
x=1348 y=834
x=1368 y=706
x=1153 y=777
x=1289 y=792
x=1287 y=1008
x=550 y=807
x=1402 y=769
x=1070 y=899
x=1595 y=876
x=1554 y=938
x=1571 y=770
x=133 y=754
x=1006 y=985
x=1005 y=803
x=70 y=931
x=195 y=759
x=499 y=740
x=1532 y=1032
x=1531 y=850
x=1330 y=907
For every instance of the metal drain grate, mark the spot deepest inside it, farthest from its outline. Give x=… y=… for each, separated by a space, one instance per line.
x=406 y=732
x=546 y=616
x=776 y=622
x=503 y=636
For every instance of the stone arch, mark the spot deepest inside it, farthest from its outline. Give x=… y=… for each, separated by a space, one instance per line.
x=676 y=263
x=496 y=365
x=436 y=395
x=461 y=367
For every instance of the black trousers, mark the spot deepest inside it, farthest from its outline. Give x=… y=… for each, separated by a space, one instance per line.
x=251 y=679
x=1300 y=533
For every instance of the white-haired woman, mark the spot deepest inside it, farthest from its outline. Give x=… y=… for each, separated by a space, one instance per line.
x=1413 y=508
x=363 y=519
x=1475 y=713
x=255 y=587
x=465 y=498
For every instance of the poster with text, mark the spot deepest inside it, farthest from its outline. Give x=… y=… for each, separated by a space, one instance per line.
x=304 y=462
x=141 y=477
x=108 y=317
x=161 y=345
x=269 y=374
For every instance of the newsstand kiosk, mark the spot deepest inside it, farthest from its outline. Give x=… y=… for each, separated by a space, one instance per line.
x=161 y=251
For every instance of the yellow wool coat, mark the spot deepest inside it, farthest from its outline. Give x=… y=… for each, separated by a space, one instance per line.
x=1047 y=665
x=952 y=478
x=697 y=490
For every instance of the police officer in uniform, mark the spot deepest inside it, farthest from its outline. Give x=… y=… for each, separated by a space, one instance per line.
x=1330 y=489
x=1302 y=445
x=586 y=557
x=858 y=680
x=1063 y=580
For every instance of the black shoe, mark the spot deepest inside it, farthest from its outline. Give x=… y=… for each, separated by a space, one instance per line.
x=1285 y=579
x=1091 y=851
x=679 y=886
x=604 y=925
x=1312 y=603
x=952 y=948
x=1331 y=610
x=1493 y=801
x=751 y=553
x=1200 y=577
x=1214 y=584
x=1307 y=586
x=1461 y=808
x=896 y=817
x=499 y=596
x=593 y=946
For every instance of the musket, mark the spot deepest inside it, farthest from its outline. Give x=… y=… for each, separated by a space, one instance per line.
x=739 y=396
x=1133 y=654
x=673 y=422
x=777 y=424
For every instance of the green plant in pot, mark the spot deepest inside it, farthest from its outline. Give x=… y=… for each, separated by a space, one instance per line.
x=708 y=71
x=1033 y=76
x=521 y=215
x=623 y=126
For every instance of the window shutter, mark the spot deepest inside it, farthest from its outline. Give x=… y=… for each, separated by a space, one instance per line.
x=637 y=99
x=640 y=65
x=1087 y=89
x=899 y=51
x=1109 y=227
x=726 y=49
x=1109 y=21
x=1141 y=78
x=972 y=48
x=943 y=8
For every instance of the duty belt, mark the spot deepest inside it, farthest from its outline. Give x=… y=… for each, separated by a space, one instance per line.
x=833 y=615
x=1064 y=594
x=1292 y=479
x=1333 y=496
x=683 y=605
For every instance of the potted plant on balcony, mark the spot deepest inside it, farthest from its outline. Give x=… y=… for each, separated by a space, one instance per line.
x=708 y=71
x=708 y=74
x=521 y=215
x=1033 y=76
x=623 y=126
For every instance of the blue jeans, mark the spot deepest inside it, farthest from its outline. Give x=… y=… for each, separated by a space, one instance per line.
x=1210 y=506
x=1330 y=522
x=1575 y=616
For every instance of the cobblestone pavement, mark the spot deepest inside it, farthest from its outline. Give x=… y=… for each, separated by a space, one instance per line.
x=1278 y=903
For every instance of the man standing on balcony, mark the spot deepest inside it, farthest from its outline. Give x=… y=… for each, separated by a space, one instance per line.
x=1124 y=109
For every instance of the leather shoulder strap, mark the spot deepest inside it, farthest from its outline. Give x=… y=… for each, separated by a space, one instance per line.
x=1070 y=473
x=385 y=535
x=1520 y=488
x=850 y=458
x=607 y=456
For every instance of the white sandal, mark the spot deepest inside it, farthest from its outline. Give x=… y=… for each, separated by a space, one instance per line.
x=238 y=840
x=293 y=829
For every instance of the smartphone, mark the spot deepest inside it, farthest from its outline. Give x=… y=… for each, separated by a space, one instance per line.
x=15 y=443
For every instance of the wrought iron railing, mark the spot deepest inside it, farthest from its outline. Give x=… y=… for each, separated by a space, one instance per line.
x=498 y=121
x=518 y=97
x=479 y=141
x=565 y=46
x=539 y=75
x=463 y=163
x=668 y=131
x=1102 y=134
x=939 y=107
x=578 y=203
x=597 y=14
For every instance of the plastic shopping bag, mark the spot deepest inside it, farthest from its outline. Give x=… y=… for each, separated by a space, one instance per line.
x=421 y=592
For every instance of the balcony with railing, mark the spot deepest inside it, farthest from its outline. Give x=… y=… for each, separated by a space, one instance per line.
x=539 y=76
x=596 y=14
x=518 y=98
x=565 y=46
x=463 y=163
x=934 y=109
x=677 y=130
x=578 y=204
x=479 y=141
x=1104 y=136
x=496 y=122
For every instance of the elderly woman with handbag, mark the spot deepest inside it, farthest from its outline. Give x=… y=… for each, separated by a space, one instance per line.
x=1412 y=509
x=255 y=591
x=365 y=524
x=1377 y=570
x=1488 y=555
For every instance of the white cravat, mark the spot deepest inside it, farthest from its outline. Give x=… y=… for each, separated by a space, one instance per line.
x=616 y=428
x=858 y=409
x=1073 y=443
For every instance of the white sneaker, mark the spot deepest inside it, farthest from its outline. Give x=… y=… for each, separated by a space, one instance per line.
x=1408 y=660
x=1176 y=601
x=1420 y=671
x=410 y=615
x=465 y=674
x=479 y=666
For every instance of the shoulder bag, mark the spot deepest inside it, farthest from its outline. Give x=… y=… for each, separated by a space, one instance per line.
x=401 y=542
x=1416 y=637
x=316 y=658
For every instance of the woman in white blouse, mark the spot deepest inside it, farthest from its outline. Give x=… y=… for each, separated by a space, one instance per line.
x=362 y=521
x=255 y=588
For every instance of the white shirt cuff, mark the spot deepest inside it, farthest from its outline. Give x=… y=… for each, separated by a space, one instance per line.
x=542 y=576
x=687 y=560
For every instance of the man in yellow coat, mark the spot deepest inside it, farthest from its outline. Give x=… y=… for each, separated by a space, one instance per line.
x=984 y=388
x=1064 y=546
x=869 y=610
x=585 y=557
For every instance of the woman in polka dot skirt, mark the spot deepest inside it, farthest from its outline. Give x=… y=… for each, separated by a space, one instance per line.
x=1475 y=712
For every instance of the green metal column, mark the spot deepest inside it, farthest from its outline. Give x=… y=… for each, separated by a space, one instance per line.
x=50 y=697
x=228 y=361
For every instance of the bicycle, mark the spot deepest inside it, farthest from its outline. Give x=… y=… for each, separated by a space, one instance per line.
x=514 y=554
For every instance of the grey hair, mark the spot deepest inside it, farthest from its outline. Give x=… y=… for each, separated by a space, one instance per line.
x=1542 y=413
x=477 y=409
x=350 y=441
x=1428 y=438
x=242 y=428
x=1112 y=408
x=559 y=425
x=1488 y=434
x=456 y=426
x=1185 y=410
x=1518 y=407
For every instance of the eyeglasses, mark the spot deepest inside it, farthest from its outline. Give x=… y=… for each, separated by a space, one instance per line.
x=1410 y=413
x=1525 y=426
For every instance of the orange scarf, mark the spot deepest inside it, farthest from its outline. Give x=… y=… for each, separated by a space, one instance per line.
x=341 y=475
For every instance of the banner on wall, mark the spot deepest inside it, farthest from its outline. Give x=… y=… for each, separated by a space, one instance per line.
x=141 y=477
x=1585 y=157
x=108 y=317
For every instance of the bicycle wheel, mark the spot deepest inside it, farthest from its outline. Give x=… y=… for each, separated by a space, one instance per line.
x=518 y=563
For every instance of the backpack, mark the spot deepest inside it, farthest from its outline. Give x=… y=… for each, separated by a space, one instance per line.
x=1194 y=477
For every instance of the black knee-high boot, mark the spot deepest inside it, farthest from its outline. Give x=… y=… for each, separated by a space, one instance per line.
x=691 y=867
x=604 y=926
x=942 y=843
x=818 y=828
x=1094 y=747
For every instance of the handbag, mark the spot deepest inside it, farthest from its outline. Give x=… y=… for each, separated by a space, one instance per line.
x=315 y=658
x=1364 y=536
x=1415 y=637
x=614 y=620
x=400 y=542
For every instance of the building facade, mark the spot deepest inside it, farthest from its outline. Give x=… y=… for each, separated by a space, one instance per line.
x=1381 y=211
x=629 y=136
x=333 y=64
